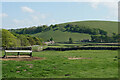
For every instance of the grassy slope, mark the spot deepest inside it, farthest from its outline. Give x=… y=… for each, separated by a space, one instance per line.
x=56 y=65
x=109 y=26
x=60 y=36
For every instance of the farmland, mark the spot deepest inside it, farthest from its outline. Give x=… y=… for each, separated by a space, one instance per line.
x=55 y=64
x=71 y=56
x=60 y=36
x=82 y=44
x=59 y=40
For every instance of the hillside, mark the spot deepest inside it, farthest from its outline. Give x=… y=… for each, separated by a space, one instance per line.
x=109 y=26
x=60 y=36
x=77 y=30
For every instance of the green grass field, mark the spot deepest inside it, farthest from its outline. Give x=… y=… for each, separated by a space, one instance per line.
x=60 y=36
x=58 y=45
x=102 y=64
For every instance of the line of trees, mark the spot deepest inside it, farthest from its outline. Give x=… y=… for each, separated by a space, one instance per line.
x=105 y=38
x=84 y=29
x=13 y=40
x=68 y=28
x=31 y=30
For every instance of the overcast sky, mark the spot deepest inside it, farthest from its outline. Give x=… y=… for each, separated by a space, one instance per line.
x=26 y=14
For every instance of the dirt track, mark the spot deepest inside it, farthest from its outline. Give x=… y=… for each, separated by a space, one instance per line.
x=78 y=58
x=22 y=59
x=31 y=58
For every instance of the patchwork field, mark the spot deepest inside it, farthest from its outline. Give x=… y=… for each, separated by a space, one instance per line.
x=65 y=64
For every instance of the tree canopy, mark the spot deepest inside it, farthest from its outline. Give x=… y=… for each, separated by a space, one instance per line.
x=68 y=28
x=12 y=39
x=8 y=39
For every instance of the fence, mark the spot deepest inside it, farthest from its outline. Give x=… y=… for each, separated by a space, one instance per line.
x=83 y=48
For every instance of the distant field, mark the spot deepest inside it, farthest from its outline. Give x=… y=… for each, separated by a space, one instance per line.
x=100 y=64
x=60 y=36
x=59 y=45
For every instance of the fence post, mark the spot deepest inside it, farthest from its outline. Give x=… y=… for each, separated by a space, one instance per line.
x=18 y=54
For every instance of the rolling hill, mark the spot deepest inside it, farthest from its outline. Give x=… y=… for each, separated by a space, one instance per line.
x=109 y=26
x=46 y=32
x=59 y=36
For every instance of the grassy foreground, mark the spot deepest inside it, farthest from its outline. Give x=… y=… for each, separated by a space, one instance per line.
x=102 y=64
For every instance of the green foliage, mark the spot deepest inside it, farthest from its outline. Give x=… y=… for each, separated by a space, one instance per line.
x=23 y=40
x=84 y=29
x=27 y=40
x=105 y=38
x=70 y=40
x=9 y=40
x=31 y=40
x=51 y=39
x=31 y=30
x=102 y=32
x=38 y=41
x=14 y=40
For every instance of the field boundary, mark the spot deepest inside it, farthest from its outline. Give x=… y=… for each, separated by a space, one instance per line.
x=83 y=48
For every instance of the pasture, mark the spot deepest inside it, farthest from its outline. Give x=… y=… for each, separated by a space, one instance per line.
x=57 y=64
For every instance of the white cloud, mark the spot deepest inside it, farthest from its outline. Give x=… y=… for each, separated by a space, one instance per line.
x=3 y=15
x=27 y=9
x=33 y=19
